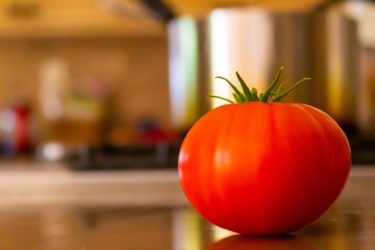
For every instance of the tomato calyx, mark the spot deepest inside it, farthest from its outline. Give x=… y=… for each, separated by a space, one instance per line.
x=271 y=94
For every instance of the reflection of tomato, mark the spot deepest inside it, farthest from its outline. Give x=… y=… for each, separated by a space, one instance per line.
x=238 y=242
x=263 y=168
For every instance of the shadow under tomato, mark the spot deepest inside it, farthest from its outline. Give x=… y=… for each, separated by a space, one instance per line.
x=241 y=242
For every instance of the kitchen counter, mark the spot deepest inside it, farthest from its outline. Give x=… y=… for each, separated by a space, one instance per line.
x=146 y=210
x=32 y=183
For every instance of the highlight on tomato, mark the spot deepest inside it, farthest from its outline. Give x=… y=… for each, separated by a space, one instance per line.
x=259 y=166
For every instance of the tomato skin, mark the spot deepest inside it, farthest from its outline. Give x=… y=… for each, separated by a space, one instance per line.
x=263 y=168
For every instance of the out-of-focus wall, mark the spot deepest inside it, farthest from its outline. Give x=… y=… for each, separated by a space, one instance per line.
x=134 y=69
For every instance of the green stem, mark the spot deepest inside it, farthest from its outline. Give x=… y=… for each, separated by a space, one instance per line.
x=279 y=88
x=242 y=98
x=245 y=88
x=237 y=98
x=251 y=94
x=286 y=92
x=222 y=98
x=272 y=86
x=254 y=92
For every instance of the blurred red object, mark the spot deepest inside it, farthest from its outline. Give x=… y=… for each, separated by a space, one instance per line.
x=21 y=128
x=15 y=129
x=149 y=132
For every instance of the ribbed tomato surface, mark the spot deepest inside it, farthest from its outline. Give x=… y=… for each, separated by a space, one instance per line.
x=263 y=168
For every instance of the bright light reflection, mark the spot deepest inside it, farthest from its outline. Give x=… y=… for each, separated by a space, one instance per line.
x=219 y=42
x=222 y=156
x=7 y=121
x=186 y=230
x=240 y=40
x=220 y=233
x=183 y=76
x=53 y=151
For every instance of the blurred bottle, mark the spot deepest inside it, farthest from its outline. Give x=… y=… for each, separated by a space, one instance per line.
x=15 y=124
x=54 y=75
x=71 y=110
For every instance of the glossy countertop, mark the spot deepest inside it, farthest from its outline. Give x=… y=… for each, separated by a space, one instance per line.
x=168 y=224
x=25 y=183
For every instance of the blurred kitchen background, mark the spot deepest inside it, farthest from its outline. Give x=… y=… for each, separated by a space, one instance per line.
x=111 y=84
x=115 y=84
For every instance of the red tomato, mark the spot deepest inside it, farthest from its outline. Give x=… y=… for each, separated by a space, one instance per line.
x=264 y=168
